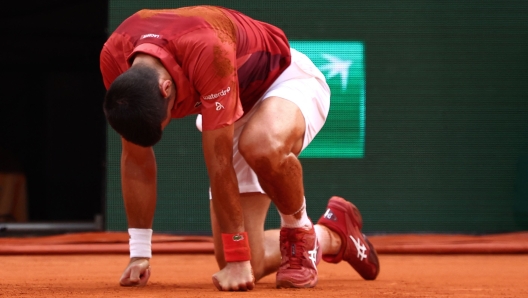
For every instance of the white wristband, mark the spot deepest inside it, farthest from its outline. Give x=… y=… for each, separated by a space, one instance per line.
x=140 y=243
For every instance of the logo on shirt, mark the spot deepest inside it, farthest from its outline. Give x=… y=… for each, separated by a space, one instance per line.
x=217 y=95
x=219 y=106
x=150 y=35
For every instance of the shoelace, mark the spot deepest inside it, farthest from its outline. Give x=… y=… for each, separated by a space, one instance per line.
x=294 y=251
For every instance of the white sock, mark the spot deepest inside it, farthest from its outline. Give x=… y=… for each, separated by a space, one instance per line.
x=289 y=221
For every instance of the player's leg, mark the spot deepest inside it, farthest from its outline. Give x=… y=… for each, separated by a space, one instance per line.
x=265 y=253
x=293 y=110
x=270 y=143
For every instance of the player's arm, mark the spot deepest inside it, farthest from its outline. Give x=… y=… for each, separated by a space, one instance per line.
x=138 y=182
x=218 y=154
x=210 y=65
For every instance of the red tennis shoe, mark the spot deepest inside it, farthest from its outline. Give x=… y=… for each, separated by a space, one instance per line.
x=300 y=256
x=344 y=218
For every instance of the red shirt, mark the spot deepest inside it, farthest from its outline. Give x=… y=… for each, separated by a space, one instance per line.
x=221 y=61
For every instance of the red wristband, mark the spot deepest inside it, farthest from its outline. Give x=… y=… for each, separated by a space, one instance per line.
x=236 y=247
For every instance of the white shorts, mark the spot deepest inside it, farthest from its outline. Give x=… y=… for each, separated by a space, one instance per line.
x=301 y=83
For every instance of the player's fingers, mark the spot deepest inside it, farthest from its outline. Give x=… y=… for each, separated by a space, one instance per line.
x=128 y=282
x=250 y=285
x=240 y=287
x=233 y=286
x=217 y=283
x=143 y=279
x=244 y=286
x=124 y=280
x=135 y=273
x=223 y=286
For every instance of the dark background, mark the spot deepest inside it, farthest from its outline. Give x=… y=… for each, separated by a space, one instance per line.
x=51 y=93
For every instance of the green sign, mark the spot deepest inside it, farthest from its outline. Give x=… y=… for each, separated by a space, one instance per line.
x=342 y=63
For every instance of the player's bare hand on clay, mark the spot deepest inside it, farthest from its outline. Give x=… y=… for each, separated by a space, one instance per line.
x=137 y=273
x=236 y=276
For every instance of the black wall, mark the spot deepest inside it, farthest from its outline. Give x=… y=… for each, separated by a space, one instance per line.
x=51 y=94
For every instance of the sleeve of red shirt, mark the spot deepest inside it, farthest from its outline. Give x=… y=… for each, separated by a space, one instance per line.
x=110 y=69
x=210 y=64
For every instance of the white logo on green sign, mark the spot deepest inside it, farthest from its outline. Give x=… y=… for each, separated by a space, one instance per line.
x=342 y=63
x=336 y=66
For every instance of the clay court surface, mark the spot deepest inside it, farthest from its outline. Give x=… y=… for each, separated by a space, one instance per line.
x=90 y=264
x=183 y=275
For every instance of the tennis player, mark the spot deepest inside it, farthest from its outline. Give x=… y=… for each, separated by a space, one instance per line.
x=260 y=104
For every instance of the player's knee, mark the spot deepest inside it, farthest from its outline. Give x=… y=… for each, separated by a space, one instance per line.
x=261 y=153
x=254 y=146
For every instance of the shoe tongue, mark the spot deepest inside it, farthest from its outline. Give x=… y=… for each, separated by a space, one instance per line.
x=295 y=256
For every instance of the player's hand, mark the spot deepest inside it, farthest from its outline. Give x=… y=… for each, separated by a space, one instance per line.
x=137 y=273
x=236 y=276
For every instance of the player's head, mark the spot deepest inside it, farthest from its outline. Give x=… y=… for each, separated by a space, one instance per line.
x=135 y=105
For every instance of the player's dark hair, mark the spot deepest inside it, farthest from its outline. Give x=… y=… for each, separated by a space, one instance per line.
x=135 y=107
